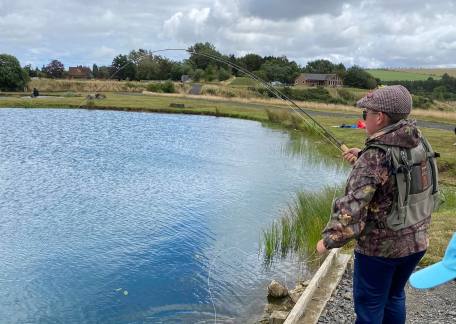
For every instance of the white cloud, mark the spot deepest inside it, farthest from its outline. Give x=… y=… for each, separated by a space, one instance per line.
x=365 y=32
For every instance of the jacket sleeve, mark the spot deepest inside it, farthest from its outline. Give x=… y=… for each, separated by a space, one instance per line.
x=349 y=213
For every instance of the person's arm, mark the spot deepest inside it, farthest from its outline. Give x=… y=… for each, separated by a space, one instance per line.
x=349 y=212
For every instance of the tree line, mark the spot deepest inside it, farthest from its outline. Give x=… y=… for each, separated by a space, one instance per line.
x=438 y=89
x=143 y=64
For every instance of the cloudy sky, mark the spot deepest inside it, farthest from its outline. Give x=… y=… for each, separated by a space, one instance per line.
x=370 y=33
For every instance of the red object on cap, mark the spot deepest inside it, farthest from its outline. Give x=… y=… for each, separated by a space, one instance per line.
x=361 y=124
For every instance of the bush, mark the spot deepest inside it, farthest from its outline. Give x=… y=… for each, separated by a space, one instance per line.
x=223 y=74
x=165 y=87
x=421 y=102
x=154 y=87
x=168 y=87
x=12 y=76
x=197 y=75
x=346 y=95
x=359 y=78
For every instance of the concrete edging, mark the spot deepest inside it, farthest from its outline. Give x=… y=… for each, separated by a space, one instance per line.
x=298 y=310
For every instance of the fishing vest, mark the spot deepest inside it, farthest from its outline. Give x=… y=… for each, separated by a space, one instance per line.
x=416 y=178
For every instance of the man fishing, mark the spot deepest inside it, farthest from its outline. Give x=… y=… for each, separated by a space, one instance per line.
x=389 y=197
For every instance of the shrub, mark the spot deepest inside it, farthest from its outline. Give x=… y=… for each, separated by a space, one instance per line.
x=346 y=94
x=12 y=76
x=165 y=87
x=168 y=87
x=421 y=102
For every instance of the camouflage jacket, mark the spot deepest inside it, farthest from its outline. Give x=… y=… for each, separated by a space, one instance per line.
x=369 y=195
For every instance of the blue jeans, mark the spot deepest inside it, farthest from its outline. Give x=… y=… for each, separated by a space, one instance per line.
x=378 y=287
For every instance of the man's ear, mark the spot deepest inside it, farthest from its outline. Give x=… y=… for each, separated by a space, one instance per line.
x=383 y=118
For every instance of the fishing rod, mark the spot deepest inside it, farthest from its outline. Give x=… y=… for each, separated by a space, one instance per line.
x=277 y=93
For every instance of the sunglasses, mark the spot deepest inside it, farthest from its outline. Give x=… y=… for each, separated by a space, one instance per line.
x=365 y=113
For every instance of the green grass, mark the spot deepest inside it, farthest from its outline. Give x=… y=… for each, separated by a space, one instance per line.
x=244 y=82
x=437 y=72
x=299 y=229
x=392 y=75
x=443 y=225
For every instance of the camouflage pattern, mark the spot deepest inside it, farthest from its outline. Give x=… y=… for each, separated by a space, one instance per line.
x=369 y=194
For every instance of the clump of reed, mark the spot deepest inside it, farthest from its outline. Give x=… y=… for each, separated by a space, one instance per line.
x=299 y=229
x=293 y=120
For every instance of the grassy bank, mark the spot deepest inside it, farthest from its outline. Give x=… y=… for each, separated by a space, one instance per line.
x=240 y=87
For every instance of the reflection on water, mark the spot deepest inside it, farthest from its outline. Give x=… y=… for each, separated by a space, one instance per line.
x=314 y=151
x=168 y=208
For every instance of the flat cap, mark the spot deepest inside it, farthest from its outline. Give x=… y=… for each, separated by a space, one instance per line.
x=394 y=99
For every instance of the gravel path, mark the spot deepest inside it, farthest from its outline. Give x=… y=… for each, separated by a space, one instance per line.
x=437 y=305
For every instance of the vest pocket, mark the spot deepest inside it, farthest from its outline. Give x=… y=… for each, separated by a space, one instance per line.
x=419 y=208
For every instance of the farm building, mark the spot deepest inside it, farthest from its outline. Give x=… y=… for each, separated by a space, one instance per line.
x=79 y=72
x=315 y=79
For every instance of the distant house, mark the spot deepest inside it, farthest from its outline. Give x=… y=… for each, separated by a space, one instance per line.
x=316 y=79
x=79 y=72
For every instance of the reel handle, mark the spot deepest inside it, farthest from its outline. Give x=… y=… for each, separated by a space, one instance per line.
x=344 y=149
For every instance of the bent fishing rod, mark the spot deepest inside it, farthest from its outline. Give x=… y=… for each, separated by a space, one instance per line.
x=277 y=93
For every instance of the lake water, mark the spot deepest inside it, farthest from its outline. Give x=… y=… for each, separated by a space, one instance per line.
x=141 y=218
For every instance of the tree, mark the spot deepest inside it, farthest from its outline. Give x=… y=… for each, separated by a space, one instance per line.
x=30 y=71
x=123 y=68
x=104 y=72
x=211 y=73
x=137 y=56
x=233 y=60
x=95 y=71
x=325 y=67
x=197 y=74
x=12 y=76
x=320 y=66
x=200 y=61
x=280 y=69
x=164 y=67
x=148 y=69
x=54 y=69
x=223 y=74
x=261 y=74
x=180 y=69
x=359 y=78
x=340 y=70
x=251 y=62
x=439 y=93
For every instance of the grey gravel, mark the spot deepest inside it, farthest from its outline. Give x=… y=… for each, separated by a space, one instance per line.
x=437 y=305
